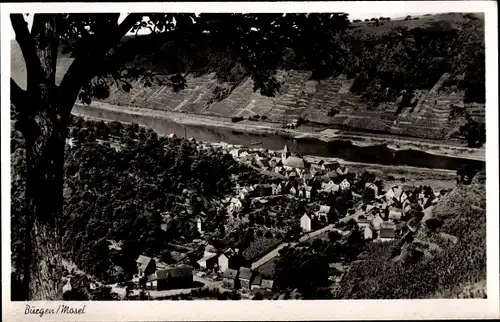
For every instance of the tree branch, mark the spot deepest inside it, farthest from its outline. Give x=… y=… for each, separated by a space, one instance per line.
x=27 y=45
x=85 y=66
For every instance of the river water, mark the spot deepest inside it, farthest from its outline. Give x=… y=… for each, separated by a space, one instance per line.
x=346 y=150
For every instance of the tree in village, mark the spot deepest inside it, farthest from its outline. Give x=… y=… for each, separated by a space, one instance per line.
x=102 y=58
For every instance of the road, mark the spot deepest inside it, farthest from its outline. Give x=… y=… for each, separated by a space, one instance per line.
x=275 y=252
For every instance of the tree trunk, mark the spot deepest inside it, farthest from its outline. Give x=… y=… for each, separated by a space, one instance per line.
x=45 y=144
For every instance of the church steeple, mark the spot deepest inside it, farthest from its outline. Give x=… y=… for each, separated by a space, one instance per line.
x=285 y=154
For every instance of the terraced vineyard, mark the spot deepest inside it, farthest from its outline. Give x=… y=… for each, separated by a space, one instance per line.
x=328 y=102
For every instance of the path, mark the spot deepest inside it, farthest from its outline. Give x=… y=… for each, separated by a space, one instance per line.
x=275 y=252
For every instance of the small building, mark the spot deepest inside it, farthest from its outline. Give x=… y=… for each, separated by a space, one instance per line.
x=267 y=285
x=342 y=170
x=293 y=191
x=330 y=166
x=363 y=223
x=345 y=185
x=395 y=213
x=230 y=278
x=228 y=259
x=368 y=232
x=293 y=162
x=387 y=234
x=208 y=261
x=324 y=209
x=171 y=278
x=145 y=266
x=199 y=225
x=277 y=189
x=376 y=222
x=244 y=277
x=305 y=223
x=255 y=284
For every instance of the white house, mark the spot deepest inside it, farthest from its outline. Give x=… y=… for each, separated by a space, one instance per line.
x=345 y=185
x=199 y=225
x=305 y=223
x=293 y=191
x=330 y=186
x=368 y=232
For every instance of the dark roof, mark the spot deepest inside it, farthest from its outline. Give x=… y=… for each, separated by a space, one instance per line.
x=257 y=280
x=144 y=260
x=151 y=277
x=387 y=233
x=245 y=273
x=268 y=284
x=230 y=273
x=179 y=271
x=407 y=188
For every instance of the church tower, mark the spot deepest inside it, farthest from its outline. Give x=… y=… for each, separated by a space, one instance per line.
x=285 y=154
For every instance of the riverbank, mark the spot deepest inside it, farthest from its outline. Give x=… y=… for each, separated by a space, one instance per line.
x=304 y=140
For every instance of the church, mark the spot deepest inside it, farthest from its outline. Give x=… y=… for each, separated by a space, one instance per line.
x=291 y=162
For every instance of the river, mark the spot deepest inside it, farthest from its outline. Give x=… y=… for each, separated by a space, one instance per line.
x=346 y=150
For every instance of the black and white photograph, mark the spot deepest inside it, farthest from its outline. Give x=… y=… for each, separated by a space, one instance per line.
x=274 y=155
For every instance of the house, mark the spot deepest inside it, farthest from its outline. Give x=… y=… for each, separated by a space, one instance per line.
x=171 y=278
x=345 y=185
x=275 y=162
x=376 y=222
x=368 y=232
x=395 y=213
x=255 y=284
x=342 y=170
x=408 y=189
x=329 y=166
x=293 y=191
x=267 y=285
x=145 y=266
x=372 y=186
x=278 y=170
x=324 y=209
x=208 y=261
x=291 y=162
x=363 y=222
x=235 y=153
x=305 y=223
x=228 y=259
x=330 y=187
x=244 y=277
x=199 y=225
x=235 y=204
x=230 y=278
x=306 y=174
x=278 y=189
x=316 y=163
x=387 y=234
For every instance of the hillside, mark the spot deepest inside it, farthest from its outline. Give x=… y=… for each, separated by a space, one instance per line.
x=444 y=258
x=420 y=78
x=122 y=182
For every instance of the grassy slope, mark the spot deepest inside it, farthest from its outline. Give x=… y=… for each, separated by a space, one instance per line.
x=454 y=257
x=300 y=97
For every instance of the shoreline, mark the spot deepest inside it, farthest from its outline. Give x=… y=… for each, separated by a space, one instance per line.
x=267 y=128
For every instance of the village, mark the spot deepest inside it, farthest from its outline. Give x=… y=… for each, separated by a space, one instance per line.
x=379 y=215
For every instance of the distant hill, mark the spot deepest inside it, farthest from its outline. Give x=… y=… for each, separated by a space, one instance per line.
x=444 y=258
x=422 y=78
